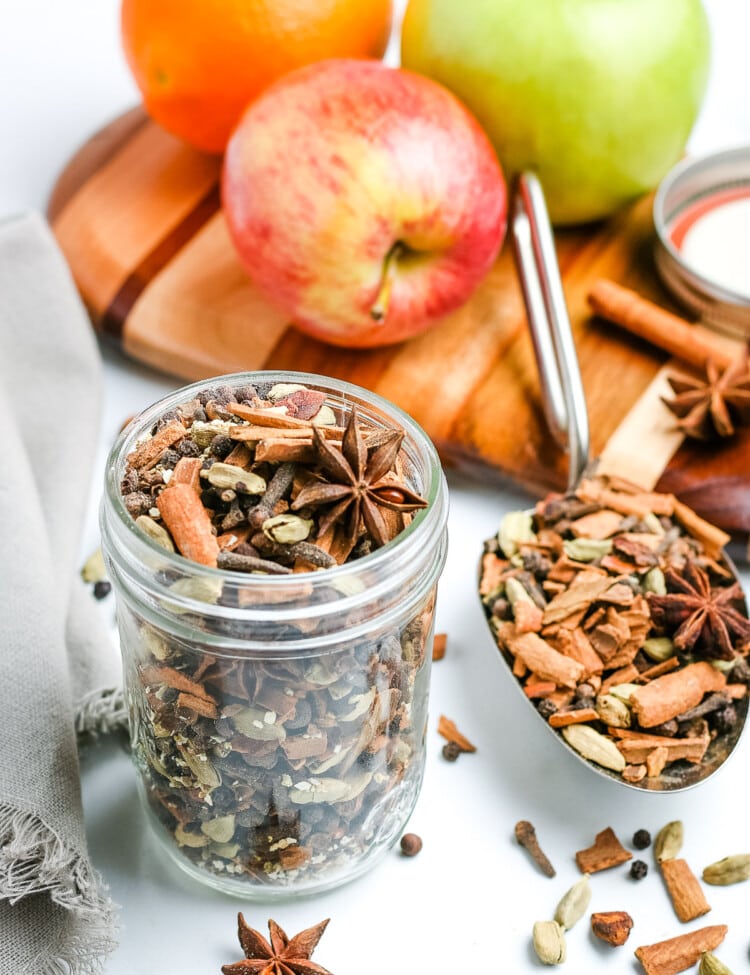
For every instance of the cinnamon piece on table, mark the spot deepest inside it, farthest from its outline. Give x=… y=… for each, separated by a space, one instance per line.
x=676 y=954
x=607 y=851
x=450 y=732
x=648 y=321
x=438 y=646
x=684 y=888
x=189 y=523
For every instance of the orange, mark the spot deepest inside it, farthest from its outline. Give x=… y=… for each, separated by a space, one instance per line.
x=198 y=63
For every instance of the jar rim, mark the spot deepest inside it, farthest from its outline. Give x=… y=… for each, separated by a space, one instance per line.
x=432 y=517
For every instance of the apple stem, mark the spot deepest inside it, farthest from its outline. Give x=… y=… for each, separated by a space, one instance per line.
x=379 y=309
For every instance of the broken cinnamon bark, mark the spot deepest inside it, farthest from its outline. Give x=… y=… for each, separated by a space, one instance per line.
x=684 y=889
x=677 y=954
x=641 y=624
x=607 y=851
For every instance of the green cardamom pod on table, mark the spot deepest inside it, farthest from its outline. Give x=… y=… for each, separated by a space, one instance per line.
x=710 y=965
x=573 y=905
x=668 y=842
x=549 y=942
x=730 y=870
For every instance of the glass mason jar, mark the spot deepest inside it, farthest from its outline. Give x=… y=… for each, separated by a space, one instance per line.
x=278 y=722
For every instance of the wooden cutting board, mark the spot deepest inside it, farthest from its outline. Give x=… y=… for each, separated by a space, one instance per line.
x=137 y=214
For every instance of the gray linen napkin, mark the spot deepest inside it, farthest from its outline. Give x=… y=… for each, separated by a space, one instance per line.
x=58 y=667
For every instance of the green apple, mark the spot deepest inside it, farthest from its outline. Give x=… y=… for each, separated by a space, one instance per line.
x=597 y=96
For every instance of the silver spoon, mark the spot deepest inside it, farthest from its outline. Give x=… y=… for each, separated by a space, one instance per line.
x=566 y=415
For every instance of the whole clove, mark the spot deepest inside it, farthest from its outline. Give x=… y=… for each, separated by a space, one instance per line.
x=526 y=836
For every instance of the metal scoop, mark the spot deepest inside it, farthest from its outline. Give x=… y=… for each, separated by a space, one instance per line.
x=566 y=415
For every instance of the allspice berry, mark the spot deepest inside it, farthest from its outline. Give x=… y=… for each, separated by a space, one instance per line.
x=411 y=844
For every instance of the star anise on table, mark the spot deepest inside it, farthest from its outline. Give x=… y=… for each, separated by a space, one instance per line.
x=702 y=618
x=282 y=956
x=353 y=484
x=713 y=406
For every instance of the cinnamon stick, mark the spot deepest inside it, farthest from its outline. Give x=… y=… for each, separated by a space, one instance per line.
x=684 y=889
x=676 y=954
x=661 y=328
x=189 y=523
x=666 y=697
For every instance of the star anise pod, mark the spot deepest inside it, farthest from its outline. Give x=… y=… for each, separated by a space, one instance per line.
x=713 y=406
x=704 y=617
x=282 y=956
x=353 y=484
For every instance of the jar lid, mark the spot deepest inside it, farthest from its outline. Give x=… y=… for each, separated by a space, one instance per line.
x=702 y=220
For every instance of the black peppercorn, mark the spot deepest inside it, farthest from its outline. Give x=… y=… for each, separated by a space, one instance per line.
x=641 y=839
x=411 y=844
x=546 y=707
x=724 y=719
x=221 y=446
x=638 y=869
x=451 y=751
x=102 y=589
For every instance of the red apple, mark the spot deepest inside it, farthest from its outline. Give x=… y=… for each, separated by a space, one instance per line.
x=363 y=200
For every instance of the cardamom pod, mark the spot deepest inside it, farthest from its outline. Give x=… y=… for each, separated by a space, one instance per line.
x=514 y=528
x=730 y=870
x=515 y=592
x=710 y=965
x=549 y=942
x=573 y=905
x=613 y=711
x=325 y=417
x=655 y=582
x=658 y=648
x=156 y=532
x=220 y=829
x=94 y=569
x=225 y=476
x=668 y=842
x=587 y=549
x=287 y=529
x=594 y=746
x=280 y=390
x=623 y=691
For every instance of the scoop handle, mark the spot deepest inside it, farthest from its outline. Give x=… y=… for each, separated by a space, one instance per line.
x=562 y=389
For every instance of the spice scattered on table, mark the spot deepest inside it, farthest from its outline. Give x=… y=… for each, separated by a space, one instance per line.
x=411 y=844
x=641 y=839
x=711 y=965
x=684 y=889
x=451 y=751
x=731 y=870
x=669 y=840
x=573 y=904
x=453 y=736
x=439 y=646
x=280 y=956
x=676 y=954
x=102 y=589
x=548 y=939
x=615 y=612
x=612 y=927
x=526 y=836
x=638 y=869
x=607 y=851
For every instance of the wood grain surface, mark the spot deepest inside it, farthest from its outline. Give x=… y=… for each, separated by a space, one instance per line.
x=137 y=213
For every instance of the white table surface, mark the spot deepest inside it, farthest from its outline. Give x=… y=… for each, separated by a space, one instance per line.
x=468 y=901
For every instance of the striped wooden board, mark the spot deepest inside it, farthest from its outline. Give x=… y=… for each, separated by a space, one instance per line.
x=137 y=214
